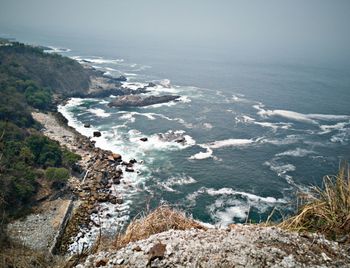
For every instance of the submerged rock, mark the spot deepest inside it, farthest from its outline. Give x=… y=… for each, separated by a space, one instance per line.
x=138 y=101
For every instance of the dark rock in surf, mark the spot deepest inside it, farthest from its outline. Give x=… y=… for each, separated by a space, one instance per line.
x=97 y=134
x=132 y=161
x=139 y=101
x=144 y=139
x=129 y=169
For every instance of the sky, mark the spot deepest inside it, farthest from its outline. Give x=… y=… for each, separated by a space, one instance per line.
x=318 y=28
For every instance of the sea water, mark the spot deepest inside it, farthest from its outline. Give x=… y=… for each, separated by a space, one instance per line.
x=257 y=132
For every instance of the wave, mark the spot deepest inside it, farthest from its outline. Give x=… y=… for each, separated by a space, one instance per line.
x=329 y=128
x=231 y=205
x=281 y=169
x=249 y=120
x=289 y=139
x=133 y=85
x=177 y=181
x=298 y=152
x=97 y=60
x=207 y=126
x=57 y=50
x=170 y=140
x=230 y=143
x=202 y=155
x=239 y=98
x=306 y=118
x=220 y=144
x=342 y=137
x=99 y=112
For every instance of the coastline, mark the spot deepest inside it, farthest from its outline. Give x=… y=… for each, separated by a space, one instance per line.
x=95 y=186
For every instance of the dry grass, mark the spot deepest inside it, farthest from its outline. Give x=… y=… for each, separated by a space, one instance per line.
x=325 y=210
x=160 y=220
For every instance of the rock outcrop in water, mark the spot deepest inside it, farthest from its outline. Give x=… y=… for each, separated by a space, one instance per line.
x=139 y=101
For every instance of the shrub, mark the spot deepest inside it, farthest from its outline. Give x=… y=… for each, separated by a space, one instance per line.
x=57 y=174
x=46 y=152
x=70 y=158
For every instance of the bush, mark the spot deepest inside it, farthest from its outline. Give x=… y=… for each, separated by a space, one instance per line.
x=70 y=158
x=57 y=174
x=46 y=152
x=38 y=97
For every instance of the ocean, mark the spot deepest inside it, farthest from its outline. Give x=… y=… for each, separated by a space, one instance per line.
x=256 y=132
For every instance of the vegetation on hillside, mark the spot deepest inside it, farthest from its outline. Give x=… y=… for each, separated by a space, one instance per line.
x=19 y=62
x=29 y=78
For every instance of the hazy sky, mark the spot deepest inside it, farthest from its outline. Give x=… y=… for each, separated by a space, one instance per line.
x=292 y=27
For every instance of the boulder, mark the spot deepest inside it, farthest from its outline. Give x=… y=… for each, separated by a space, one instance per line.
x=87 y=125
x=139 y=101
x=144 y=139
x=129 y=169
x=97 y=134
x=132 y=161
x=117 y=157
x=180 y=140
x=151 y=84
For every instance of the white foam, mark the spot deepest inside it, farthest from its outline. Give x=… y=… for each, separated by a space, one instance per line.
x=298 y=152
x=239 y=98
x=229 y=143
x=98 y=60
x=306 y=118
x=342 y=137
x=57 y=50
x=133 y=85
x=207 y=126
x=280 y=169
x=202 y=155
x=227 y=216
x=329 y=128
x=274 y=126
x=130 y=115
x=252 y=197
x=162 y=141
x=220 y=144
x=231 y=204
x=165 y=83
x=179 y=180
x=290 y=139
x=99 y=112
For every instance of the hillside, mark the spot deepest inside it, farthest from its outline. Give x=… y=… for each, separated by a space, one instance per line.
x=29 y=79
x=62 y=75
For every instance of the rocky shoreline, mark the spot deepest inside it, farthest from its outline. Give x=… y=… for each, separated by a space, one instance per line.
x=97 y=179
x=97 y=176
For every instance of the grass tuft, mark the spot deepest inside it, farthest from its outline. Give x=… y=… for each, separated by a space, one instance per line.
x=160 y=220
x=325 y=210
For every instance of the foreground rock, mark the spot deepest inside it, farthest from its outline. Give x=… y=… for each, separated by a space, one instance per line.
x=138 y=101
x=238 y=246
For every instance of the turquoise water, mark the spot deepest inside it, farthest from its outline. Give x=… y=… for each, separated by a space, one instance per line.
x=256 y=132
